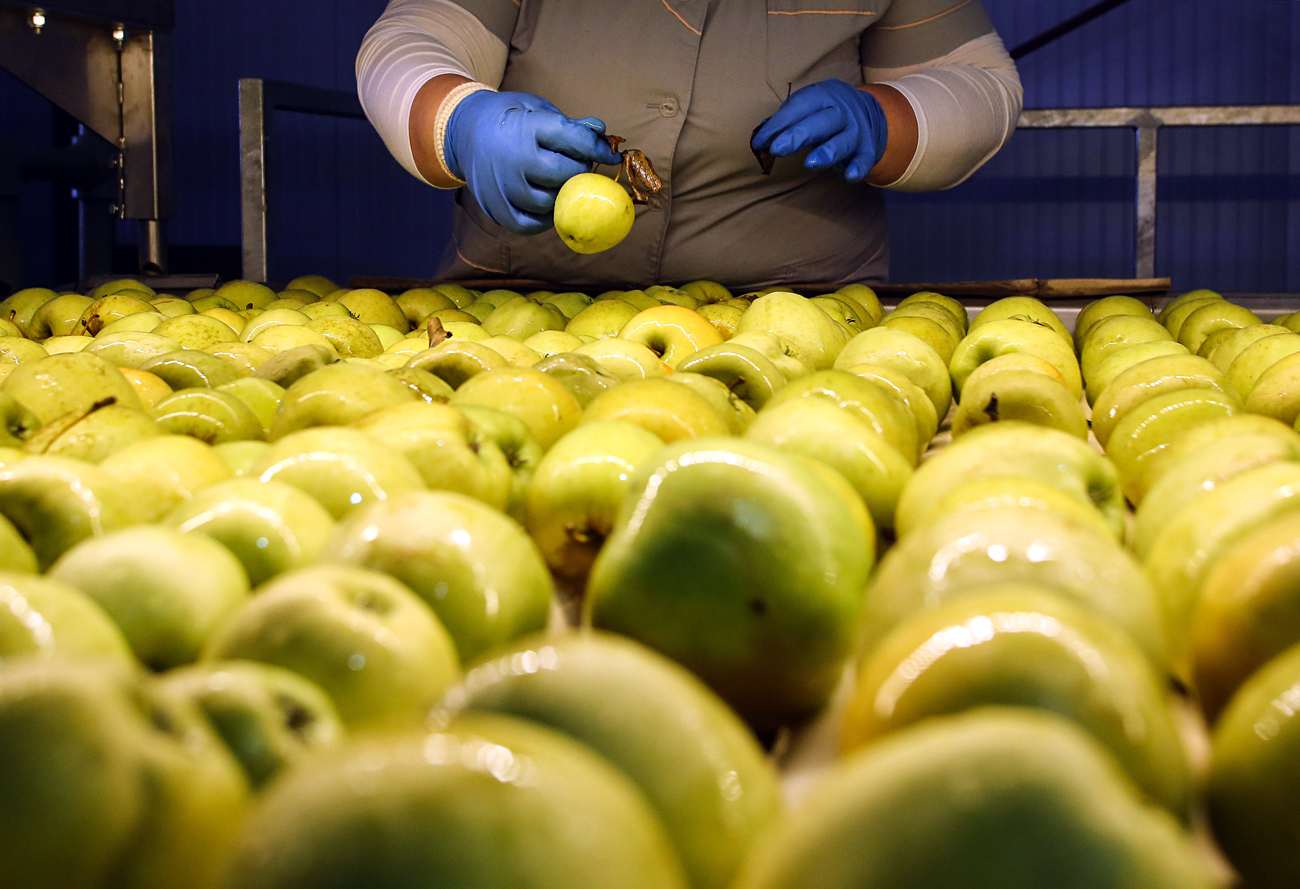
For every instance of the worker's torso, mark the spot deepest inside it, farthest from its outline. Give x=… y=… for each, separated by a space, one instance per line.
x=687 y=81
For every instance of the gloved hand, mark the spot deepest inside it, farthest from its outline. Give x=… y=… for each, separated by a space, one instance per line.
x=844 y=127
x=515 y=150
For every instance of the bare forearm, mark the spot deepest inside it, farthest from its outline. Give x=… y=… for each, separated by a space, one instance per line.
x=422 y=127
x=901 y=147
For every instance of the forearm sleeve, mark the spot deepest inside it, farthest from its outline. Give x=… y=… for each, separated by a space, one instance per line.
x=413 y=42
x=967 y=104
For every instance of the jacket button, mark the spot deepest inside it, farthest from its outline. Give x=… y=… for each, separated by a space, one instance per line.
x=668 y=107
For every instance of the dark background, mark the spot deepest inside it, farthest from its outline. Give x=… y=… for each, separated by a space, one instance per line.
x=1053 y=204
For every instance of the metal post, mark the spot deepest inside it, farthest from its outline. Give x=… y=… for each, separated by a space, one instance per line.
x=1147 y=145
x=252 y=176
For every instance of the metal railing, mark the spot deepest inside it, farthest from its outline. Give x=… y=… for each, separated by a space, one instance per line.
x=258 y=99
x=1147 y=123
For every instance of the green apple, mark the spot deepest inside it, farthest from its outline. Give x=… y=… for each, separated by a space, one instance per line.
x=1013 y=335
x=245 y=357
x=1192 y=474
x=187 y=368
x=261 y=396
x=487 y=802
x=284 y=337
x=580 y=374
x=866 y=297
x=455 y=361
x=940 y=336
x=60 y=345
x=725 y=319
x=602 y=318
x=959 y=800
x=450 y=451
x=872 y=403
x=758 y=553
x=1022 y=645
x=349 y=337
x=239 y=456
x=43 y=618
x=569 y=304
x=210 y=415
x=107 y=784
x=536 y=398
x=1254 y=781
x=269 y=718
x=269 y=527
x=592 y=213
x=1101 y=309
x=378 y=651
x=1012 y=448
x=671 y=332
x=153 y=475
x=1212 y=316
x=808 y=328
x=1246 y=612
x=246 y=294
x=707 y=292
x=520 y=318
x=131 y=348
x=141 y=322
x=62 y=384
x=1022 y=308
x=110 y=308
x=998 y=491
x=673 y=296
x=17 y=423
x=1115 y=334
x=317 y=285
x=19 y=306
x=165 y=590
x=211 y=301
x=1015 y=394
x=820 y=429
x=954 y=308
x=512 y=350
x=932 y=311
x=575 y=493
x=1277 y=393
x=1173 y=315
x=15 y=553
x=336 y=395
x=325 y=309
x=1146 y=380
x=1185 y=298
x=959 y=553
x=474 y=566
x=552 y=342
x=1117 y=362
x=93 y=434
x=1140 y=439
x=196 y=331
x=1187 y=548
x=1240 y=339
x=736 y=412
x=697 y=764
x=342 y=468
x=19 y=350
x=419 y=303
x=56 y=502
x=746 y=372
x=271 y=318
x=516 y=442
x=374 y=307
x=60 y=316
x=1255 y=360
x=624 y=359
x=669 y=411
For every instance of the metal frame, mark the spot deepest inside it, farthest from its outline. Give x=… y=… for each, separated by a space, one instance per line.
x=1147 y=123
x=114 y=79
x=258 y=99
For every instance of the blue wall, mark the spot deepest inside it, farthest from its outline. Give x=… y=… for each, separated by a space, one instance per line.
x=1053 y=204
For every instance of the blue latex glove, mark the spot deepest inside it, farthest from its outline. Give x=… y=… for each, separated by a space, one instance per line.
x=844 y=127
x=515 y=150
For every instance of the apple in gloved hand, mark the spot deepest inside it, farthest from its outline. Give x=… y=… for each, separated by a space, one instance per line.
x=593 y=213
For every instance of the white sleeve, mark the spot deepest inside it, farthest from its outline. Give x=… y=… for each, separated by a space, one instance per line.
x=967 y=104
x=413 y=42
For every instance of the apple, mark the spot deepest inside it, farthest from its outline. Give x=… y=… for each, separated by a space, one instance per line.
x=673 y=296
x=1115 y=334
x=261 y=396
x=940 y=338
x=1015 y=645
x=602 y=318
x=580 y=374
x=245 y=357
x=61 y=384
x=1187 y=548
x=847 y=313
x=903 y=352
x=1022 y=308
x=1015 y=394
x=539 y=400
x=954 y=308
x=1256 y=359
x=187 y=368
x=318 y=285
x=592 y=213
x=210 y=415
x=20 y=306
x=488 y=801
x=368 y=641
x=419 y=303
x=959 y=553
x=93 y=434
x=211 y=301
x=1117 y=362
x=448 y=449
x=42 y=618
x=269 y=527
x=1173 y=315
x=699 y=767
x=784 y=355
x=341 y=468
x=141 y=322
x=1104 y=308
x=517 y=444
x=968 y=795
x=552 y=342
x=737 y=414
x=520 y=318
x=1212 y=316
x=512 y=350
x=747 y=373
x=196 y=331
x=20 y=350
x=336 y=395
x=500 y=296
x=808 y=328
x=110 y=308
x=668 y=411
x=569 y=304
x=998 y=491
x=374 y=307
x=17 y=423
x=131 y=348
x=1012 y=335
x=239 y=456
x=1238 y=340
x=454 y=361
x=1140 y=440
x=56 y=502
x=671 y=332
x=154 y=475
x=870 y=402
x=820 y=429
x=108 y=784
x=271 y=318
x=904 y=390
x=1276 y=394
x=1191 y=474
x=60 y=316
x=759 y=553
x=724 y=318
x=165 y=590
x=349 y=337
x=324 y=310
x=475 y=567
x=1144 y=381
x=707 y=292
x=246 y=294
x=287 y=367
x=1012 y=448
x=61 y=345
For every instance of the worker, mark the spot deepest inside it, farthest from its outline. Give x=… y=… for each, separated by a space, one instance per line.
x=506 y=100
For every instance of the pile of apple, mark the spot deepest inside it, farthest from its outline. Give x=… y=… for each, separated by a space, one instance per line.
x=290 y=586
